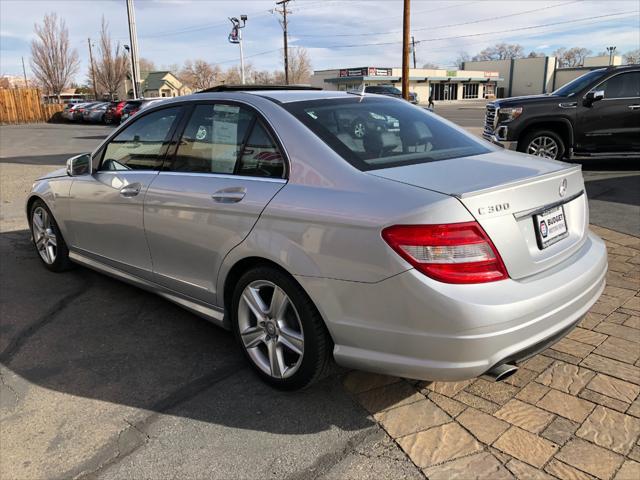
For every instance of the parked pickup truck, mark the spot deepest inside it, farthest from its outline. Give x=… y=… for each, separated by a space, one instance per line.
x=597 y=114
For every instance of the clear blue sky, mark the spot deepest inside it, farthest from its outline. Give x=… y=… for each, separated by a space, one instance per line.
x=336 y=32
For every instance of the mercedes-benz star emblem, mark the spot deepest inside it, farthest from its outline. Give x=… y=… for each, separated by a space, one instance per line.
x=563 y=187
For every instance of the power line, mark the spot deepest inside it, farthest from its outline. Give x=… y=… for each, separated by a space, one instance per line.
x=483 y=33
x=206 y=26
x=442 y=26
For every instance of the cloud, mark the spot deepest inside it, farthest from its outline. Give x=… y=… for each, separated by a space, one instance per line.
x=172 y=31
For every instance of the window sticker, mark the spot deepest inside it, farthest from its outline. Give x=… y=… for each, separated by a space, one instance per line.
x=225 y=133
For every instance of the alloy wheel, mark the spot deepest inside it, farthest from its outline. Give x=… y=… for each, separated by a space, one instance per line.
x=270 y=329
x=359 y=129
x=44 y=235
x=543 y=146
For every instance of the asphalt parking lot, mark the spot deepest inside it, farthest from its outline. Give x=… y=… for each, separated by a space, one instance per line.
x=102 y=380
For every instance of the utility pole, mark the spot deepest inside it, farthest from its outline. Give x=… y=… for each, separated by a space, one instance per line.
x=133 y=83
x=405 y=49
x=413 y=50
x=284 y=12
x=93 y=71
x=133 y=39
x=24 y=72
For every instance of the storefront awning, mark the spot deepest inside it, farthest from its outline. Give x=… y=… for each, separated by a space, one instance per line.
x=378 y=78
x=464 y=79
x=390 y=79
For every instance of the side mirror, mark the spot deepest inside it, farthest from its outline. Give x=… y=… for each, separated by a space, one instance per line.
x=593 y=96
x=79 y=165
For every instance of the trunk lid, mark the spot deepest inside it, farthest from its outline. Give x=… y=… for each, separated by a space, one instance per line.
x=504 y=191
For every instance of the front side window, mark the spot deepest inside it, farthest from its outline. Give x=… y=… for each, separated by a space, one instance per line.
x=373 y=133
x=578 y=84
x=140 y=145
x=227 y=139
x=624 y=85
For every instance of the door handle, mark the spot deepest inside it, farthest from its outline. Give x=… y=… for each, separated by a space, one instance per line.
x=229 y=195
x=130 y=190
x=634 y=107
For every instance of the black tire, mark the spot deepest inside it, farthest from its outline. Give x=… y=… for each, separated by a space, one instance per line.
x=62 y=261
x=316 y=357
x=525 y=144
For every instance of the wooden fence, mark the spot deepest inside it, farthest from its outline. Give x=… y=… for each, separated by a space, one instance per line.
x=24 y=105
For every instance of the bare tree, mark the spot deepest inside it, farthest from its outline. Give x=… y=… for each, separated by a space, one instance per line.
x=573 y=57
x=534 y=54
x=632 y=57
x=232 y=75
x=112 y=65
x=53 y=62
x=500 y=51
x=461 y=59
x=300 y=69
x=264 y=77
x=431 y=66
x=146 y=66
x=199 y=74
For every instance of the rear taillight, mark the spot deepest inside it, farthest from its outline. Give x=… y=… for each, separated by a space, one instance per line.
x=450 y=253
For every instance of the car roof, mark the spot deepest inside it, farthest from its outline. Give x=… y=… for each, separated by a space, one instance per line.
x=280 y=96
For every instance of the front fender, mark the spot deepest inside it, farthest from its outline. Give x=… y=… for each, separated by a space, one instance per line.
x=54 y=192
x=515 y=133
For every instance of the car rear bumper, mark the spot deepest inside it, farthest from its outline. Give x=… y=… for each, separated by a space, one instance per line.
x=412 y=326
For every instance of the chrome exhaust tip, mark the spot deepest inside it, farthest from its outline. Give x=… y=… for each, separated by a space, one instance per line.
x=502 y=371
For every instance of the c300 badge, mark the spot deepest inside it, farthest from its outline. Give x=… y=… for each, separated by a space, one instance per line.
x=500 y=207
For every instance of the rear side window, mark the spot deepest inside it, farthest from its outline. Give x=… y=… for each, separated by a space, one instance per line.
x=373 y=133
x=623 y=85
x=227 y=139
x=140 y=145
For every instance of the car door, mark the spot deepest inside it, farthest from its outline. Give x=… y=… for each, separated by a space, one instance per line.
x=106 y=208
x=613 y=123
x=225 y=169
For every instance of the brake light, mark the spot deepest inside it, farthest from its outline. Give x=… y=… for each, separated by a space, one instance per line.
x=450 y=253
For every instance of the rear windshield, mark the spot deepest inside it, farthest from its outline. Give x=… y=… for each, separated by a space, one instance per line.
x=374 y=133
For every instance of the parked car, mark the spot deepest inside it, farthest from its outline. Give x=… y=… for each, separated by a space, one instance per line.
x=421 y=252
x=95 y=113
x=134 y=106
x=78 y=112
x=114 y=112
x=597 y=114
x=390 y=91
x=69 y=110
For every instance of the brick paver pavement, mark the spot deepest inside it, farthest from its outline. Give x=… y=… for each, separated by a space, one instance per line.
x=571 y=412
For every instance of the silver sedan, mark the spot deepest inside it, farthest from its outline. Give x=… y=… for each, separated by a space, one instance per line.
x=404 y=246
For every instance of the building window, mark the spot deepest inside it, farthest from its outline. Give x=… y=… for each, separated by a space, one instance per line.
x=470 y=90
x=444 y=91
x=490 y=90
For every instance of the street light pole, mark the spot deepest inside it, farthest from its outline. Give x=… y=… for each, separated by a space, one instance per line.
x=405 y=49
x=93 y=71
x=24 y=73
x=611 y=50
x=236 y=37
x=413 y=50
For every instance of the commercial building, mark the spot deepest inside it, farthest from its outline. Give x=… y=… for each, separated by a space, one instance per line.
x=531 y=76
x=441 y=84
